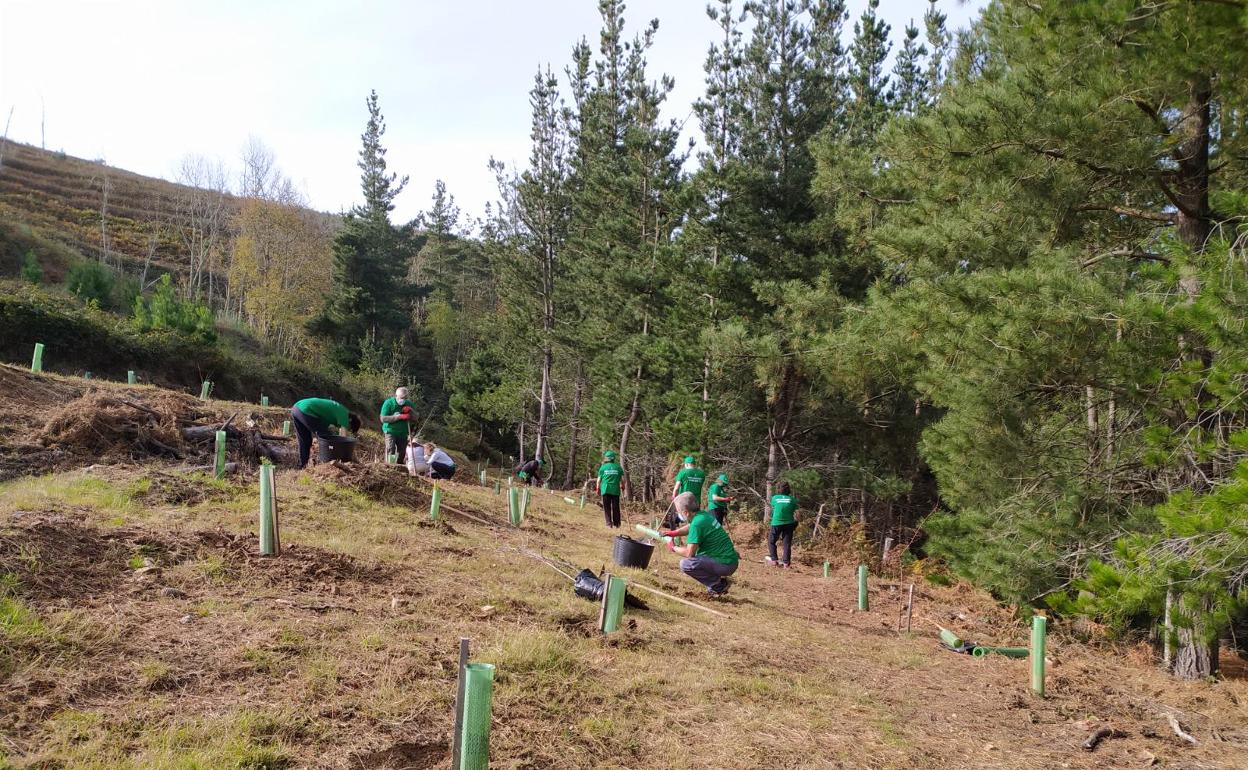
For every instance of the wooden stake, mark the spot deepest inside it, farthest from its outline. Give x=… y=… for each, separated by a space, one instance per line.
x=685 y=602
x=459 y=704
x=909 y=607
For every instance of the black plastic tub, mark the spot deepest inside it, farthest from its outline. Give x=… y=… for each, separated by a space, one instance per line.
x=336 y=448
x=631 y=553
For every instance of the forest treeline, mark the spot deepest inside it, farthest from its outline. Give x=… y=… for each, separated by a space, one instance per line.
x=996 y=288
x=982 y=291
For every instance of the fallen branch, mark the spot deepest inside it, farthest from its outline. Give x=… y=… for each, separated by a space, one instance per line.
x=140 y=407
x=226 y=424
x=1178 y=729
x=313 y=607
x=666 y=595
x=1095 y=738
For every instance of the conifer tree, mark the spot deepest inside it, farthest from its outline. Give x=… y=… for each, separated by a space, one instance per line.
x=868 y=84
x=910 y=84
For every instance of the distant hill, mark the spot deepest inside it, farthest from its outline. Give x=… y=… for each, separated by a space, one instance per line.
x=89 y=206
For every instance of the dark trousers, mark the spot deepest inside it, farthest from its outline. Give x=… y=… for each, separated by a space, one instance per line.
x=720 y=514
x=611 y=509
x=782 y=532
x=396 y=444
x=307 y=426
x=441 y=470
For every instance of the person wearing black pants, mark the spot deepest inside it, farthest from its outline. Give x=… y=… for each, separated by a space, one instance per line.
x=316 y=417
x=609 y=475
x=783 y=522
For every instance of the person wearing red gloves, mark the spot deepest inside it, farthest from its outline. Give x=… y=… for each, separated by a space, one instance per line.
x=396 y=416
x=709 y=556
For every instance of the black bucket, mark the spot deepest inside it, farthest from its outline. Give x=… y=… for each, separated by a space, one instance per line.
x=631 y=553
x=336 y=448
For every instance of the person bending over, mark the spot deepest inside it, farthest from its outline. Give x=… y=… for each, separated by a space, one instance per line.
x=609 y=475
x=315 y=417
x=709 y=556
x=417 y=463
x=530 y=472
x=441 y=466
x=783 y=522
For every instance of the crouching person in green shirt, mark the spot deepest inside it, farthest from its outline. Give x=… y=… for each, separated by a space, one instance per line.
x=709 y=556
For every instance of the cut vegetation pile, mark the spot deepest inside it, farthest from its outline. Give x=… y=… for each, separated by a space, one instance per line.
x=110 y=427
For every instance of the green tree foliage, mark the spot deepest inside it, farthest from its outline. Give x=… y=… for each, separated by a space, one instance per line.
x=91 y=282
x=164 y=310
x=32 y=271
x=366 y=307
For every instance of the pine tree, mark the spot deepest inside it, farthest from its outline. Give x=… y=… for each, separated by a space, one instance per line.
x=910 y=81
x=364 y=312
x=938 y=42
x=868 y=85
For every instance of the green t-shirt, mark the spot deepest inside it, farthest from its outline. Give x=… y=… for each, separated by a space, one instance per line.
x=691 y=480
x=782 y=508
x=716 y=489
x=609 y=475
x=713 y=542
x=326 y=410
x=398 y=427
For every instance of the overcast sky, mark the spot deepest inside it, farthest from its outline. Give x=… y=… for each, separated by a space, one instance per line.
x=141 y=83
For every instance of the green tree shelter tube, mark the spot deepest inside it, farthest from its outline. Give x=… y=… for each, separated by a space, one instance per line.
x=651 y=533
x=286 y=427
x=569 y=500
x=862 y=588
x=36 y=363
x=435 y=502
x=270 y=545
x=218 y=469
x=1009 y=652
x=613 y=604
x=1039 y=628
x=949 y=638
x=264 y=401
x=513 y=506
x=474 y=743
x=205 y=389
x=131 y=379
x=826 y=566
x=524 y=505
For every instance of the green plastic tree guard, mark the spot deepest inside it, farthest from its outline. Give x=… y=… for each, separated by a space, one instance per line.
x=130 y=378
x=204 y=389
x=498 y=487
x=435 y=502
x=826 y=567
x=218 y=468
x=269 y=543
x=286 y=427
x=949 y=638
x=1039 y=627
x=1009 y=652
x=264 y=401
x=474 y=742
x=483 y=482
x=524 y=505
x=513 y=506
x=582 y=502
x=862 y=588
x=36 y=363
x=87 y=376
x=612 y=604
x=569 y=500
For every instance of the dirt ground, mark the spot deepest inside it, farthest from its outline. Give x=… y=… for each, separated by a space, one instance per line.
x=140 y=628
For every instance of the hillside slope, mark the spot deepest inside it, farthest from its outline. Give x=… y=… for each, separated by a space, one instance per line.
x=140 y=629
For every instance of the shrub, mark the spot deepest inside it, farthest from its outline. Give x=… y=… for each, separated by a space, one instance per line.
x=164 y=311
x=91 y=281
x=32 y=271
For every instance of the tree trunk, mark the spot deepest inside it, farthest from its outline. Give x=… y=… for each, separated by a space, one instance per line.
x=569 y=478
x=1196 y=656
x=634 y=412
x=1094 y=428
x=543 y=411
x=778 y=429
x=1191 y=179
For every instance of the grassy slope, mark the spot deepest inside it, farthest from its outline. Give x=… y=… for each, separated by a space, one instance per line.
x=341 y=652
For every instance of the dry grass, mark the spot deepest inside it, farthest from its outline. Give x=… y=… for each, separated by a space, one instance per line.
x=346 y=644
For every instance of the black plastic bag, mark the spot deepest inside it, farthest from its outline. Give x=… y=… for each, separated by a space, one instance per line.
x=588 y=585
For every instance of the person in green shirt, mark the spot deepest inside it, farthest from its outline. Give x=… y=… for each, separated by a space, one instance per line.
x=783 y=522
x=690 y=479
x=396 y=417
x=609 y=475
x=716 y=500
x=315 y=417
x=709 y=556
